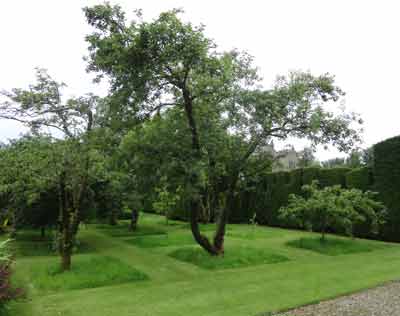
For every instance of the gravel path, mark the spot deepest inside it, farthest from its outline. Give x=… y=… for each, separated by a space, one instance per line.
x=381 y=301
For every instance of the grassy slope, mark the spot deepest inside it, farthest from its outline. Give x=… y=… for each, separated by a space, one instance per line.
x=178 y=288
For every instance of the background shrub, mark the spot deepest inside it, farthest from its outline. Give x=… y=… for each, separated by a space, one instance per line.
x=7 y=292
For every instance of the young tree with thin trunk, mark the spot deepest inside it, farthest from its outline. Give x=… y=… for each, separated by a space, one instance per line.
x=333 y=208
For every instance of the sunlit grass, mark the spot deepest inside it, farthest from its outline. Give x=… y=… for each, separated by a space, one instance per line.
x=334 y=246
x=45 y=248
x=165 y=240
x=87 y=271
x=234 y=258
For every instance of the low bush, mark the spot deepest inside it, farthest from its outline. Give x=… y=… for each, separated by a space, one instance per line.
x=7 y=291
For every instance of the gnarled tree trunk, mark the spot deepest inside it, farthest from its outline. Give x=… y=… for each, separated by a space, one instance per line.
x=134 y=219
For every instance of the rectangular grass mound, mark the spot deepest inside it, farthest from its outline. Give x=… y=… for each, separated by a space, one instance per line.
x=124 y=231
x=334 y=246
x=87 y=271
x=45 y=248
x=166 y=240
x=254 y=233
x=235 y=257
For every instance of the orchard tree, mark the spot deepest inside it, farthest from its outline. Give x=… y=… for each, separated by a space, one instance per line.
x=168 y=63
x=166 y=201
x=42 y=108
x=333 y=207
x=25 y=175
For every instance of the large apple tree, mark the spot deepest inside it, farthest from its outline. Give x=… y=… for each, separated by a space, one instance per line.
x=170 y=63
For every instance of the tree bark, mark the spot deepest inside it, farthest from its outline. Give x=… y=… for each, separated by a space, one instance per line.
x=65 y=225
x=66 y=261
x=194 y=225
x=223 y=219
x=113 y=218
x=195 y=203
x=134 y=219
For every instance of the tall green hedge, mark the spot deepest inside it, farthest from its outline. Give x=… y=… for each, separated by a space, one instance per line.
x=360 y=178
x=386 y=170
x=270 y=193
x=273 y=191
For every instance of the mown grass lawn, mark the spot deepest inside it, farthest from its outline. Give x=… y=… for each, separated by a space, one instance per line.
x=159 y=271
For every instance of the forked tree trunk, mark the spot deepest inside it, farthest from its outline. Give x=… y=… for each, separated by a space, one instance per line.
x=193 y=179
x=223 y=220
x=194 y=225
x=217 y=247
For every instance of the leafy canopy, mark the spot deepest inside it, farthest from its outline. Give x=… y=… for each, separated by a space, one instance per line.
x=333 y=207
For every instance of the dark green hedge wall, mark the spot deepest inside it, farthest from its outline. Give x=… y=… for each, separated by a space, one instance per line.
x=386 y=170
x=360 y=178
x=272 y=192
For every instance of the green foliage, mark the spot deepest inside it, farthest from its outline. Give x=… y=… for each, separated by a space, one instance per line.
x=333 y=208
x=5 y=255
x=386 y=170
x=165 y=240
x=326 y=177
x=25 y=172
x=166 y=201
x=45 y=248
x=88 y=272
x=124 y=231
x=360 y=178
x=7 y=291
x=334 y=246
x=168 y=65
x=333 y=176
x=236 y=258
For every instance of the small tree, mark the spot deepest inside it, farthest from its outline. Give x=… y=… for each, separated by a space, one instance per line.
x=41 y=107
x=166 y=201
x=333 y=207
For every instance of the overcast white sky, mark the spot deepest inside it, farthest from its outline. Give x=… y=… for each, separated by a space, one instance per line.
x=358 y=41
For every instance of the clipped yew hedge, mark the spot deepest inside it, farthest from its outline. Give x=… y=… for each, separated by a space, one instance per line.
x=386 y=171
x=267 y=196
x=360 y=178
x=271 y=192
